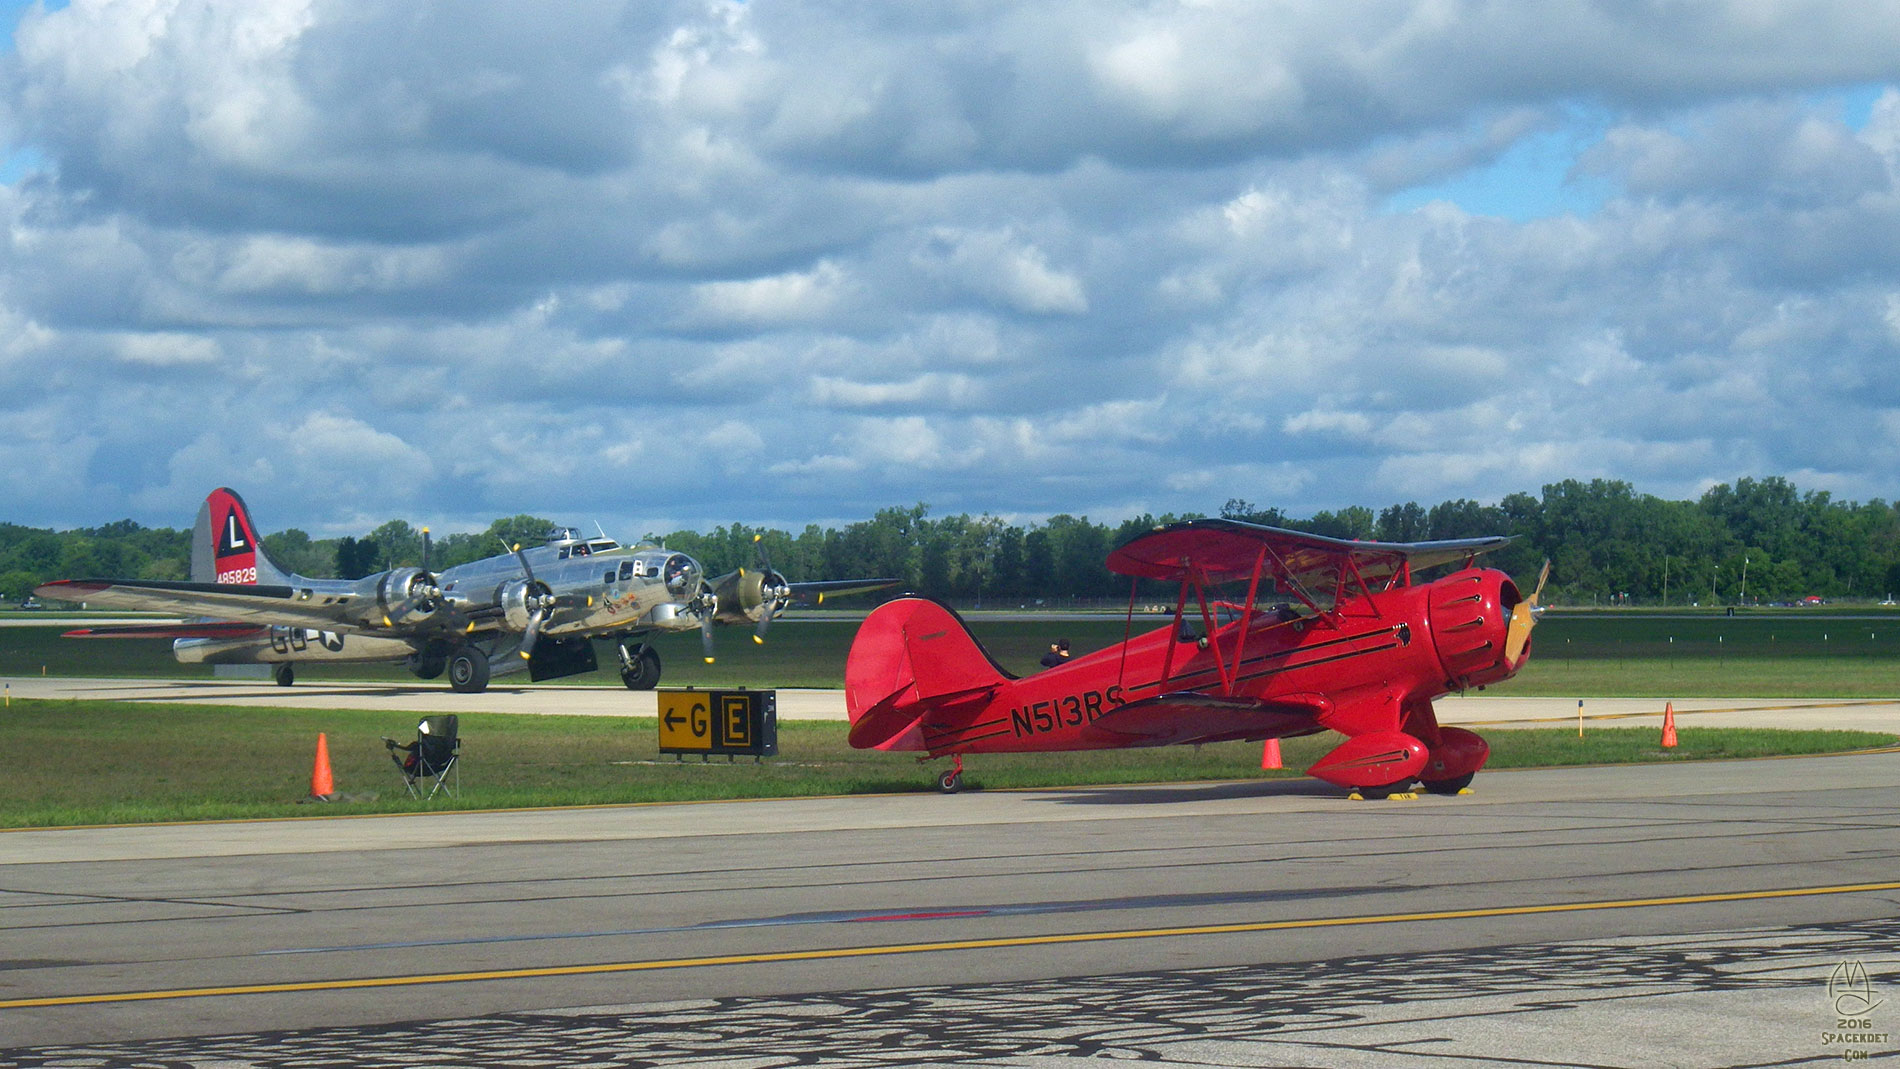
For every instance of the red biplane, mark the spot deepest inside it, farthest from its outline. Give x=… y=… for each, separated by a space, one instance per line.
x=1360 y=649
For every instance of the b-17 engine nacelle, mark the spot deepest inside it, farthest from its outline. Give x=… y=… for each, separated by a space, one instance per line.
x=521 y=599
x=407 y=596
x=747 y=596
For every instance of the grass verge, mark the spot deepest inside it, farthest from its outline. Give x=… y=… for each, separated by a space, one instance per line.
x=1760 y=654
x=66 y=763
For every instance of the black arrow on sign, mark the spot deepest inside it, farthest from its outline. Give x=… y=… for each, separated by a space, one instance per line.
x=674 y=720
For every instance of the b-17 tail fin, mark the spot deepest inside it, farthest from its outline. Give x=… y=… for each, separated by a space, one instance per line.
x=225 y=547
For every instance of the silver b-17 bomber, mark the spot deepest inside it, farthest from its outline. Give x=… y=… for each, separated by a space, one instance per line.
x=537 y=609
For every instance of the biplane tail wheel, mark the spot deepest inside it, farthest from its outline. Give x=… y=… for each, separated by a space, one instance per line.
x=950 y=780
x=1448 y=786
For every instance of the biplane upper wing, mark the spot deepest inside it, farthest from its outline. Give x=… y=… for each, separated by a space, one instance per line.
x=1218 y=551
x=259 y=604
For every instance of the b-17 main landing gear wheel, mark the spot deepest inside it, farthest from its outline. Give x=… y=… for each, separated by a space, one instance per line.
x=284 y=674
x=1448 y=786
x=468 y=671
x=428 y=666
x=639 y=671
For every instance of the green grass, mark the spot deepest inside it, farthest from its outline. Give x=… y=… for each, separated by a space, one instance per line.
x=84 y=762
x=1801 y=653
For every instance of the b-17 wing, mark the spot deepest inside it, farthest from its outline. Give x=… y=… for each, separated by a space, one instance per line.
x=760 y=595
x=837 y=588
x=226 y=601
x=206 y=629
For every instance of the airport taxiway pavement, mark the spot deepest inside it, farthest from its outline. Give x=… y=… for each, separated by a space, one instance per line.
x=1474 y=710
x=1698 y=914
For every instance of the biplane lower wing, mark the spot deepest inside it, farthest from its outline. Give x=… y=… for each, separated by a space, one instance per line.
x=1191 y=718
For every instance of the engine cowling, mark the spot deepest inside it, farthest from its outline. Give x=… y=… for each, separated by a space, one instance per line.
x=407 y=596
x=1470 y=614
x=746 y=597
x=520 y=599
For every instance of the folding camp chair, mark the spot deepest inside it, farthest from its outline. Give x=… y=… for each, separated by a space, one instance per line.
x=434 y=760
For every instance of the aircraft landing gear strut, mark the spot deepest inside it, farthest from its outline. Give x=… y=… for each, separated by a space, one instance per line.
x=950 y=780
x=639 y=667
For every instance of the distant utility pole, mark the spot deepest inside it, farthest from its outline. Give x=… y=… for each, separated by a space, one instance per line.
x=1744 y=580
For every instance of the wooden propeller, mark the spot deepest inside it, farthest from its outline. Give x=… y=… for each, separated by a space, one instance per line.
x=1524 y=617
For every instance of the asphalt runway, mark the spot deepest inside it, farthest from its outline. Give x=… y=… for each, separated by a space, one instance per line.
x=798 y=704
x=1708 y=914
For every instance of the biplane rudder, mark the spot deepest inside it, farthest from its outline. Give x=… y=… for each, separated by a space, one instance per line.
x=225 y=546
x=910 y=656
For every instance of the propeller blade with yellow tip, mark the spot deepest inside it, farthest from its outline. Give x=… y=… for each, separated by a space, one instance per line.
x=1523 y=618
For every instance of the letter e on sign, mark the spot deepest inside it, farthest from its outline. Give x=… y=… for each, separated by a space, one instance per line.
x=736 y=710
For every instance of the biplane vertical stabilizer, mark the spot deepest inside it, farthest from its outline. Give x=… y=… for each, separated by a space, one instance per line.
x=911 y=656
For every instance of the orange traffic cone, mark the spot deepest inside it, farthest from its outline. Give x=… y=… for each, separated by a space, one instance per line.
x=320 y=786
x=1270 y=757
x=1669 y=725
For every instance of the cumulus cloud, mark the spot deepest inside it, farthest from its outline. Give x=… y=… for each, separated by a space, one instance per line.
x=701 y=261
x=1000 y=267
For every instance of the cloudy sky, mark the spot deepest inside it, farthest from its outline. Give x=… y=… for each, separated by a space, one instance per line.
x=676 y=264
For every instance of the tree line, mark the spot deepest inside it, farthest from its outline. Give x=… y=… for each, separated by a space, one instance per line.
x=1758 y=539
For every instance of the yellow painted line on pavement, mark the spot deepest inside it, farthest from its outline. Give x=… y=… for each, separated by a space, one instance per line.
x=1571 y=718
x=927 y=948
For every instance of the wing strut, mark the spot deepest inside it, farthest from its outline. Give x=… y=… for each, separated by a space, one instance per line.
x=1180 y=607
x=1246 y=623
x=1352 y=566
x=1212 y=630
x=1128 y=630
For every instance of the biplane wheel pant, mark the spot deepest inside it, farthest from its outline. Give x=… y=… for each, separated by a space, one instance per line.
x=1395 y=759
